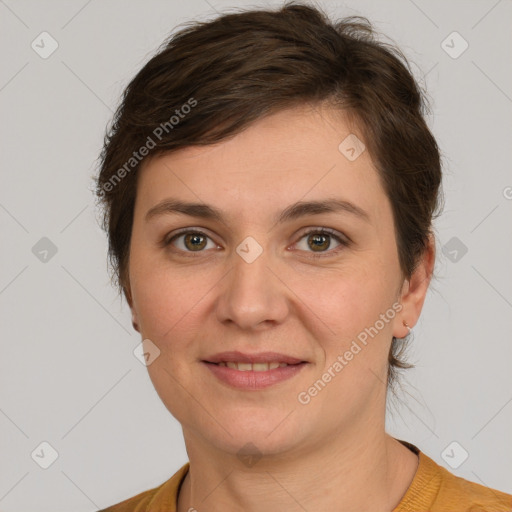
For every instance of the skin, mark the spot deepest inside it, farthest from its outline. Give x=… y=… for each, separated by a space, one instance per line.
x=284 y=301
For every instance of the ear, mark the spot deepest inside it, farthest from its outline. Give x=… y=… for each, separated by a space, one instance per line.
x=414 y=290
x=128 y=295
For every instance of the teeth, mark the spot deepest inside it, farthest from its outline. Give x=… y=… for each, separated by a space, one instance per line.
x=256 y=367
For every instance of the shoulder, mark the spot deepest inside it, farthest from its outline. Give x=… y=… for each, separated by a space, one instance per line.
x=438 y=490
x=136 y=503
x=163 y=497
x=458 y=493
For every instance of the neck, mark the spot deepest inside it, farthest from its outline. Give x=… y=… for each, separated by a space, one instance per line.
x=346 y=473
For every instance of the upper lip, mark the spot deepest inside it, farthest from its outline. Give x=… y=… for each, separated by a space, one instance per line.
x=260 y=357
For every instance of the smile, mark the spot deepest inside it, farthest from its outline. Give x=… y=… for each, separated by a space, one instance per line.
x=256 y=367
x=253 y=376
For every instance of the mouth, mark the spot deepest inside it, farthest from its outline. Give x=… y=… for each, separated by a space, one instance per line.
x=254 y=371
x=262 y=361
x=254 y=367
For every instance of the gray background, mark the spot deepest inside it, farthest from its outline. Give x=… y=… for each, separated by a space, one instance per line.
x=68 y=375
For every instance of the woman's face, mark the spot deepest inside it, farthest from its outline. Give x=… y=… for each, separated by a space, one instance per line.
x=263 y=279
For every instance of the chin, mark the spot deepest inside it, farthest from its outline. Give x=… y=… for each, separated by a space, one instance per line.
x=265 y=434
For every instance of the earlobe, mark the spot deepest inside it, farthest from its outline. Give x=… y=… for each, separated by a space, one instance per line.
x=128 y=295
x=414 y=292
x=134 y=321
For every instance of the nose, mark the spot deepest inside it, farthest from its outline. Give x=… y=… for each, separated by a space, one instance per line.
x=252 y=296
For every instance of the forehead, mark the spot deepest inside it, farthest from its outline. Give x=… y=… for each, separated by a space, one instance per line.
x=295 y=154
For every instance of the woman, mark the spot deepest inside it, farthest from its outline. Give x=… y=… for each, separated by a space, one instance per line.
x=269 y=185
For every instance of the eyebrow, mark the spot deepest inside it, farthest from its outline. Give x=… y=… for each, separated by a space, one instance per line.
x=292 y=212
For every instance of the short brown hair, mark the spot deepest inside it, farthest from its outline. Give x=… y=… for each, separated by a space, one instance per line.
x=242 y=66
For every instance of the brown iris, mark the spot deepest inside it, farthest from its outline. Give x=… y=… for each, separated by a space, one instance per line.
x=314 y=239
x=195 y=240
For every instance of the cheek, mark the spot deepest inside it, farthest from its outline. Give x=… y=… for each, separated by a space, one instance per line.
x=163 y=297
x=356 y=346
x=346 y=300
x=336 y=303
x=350 y=302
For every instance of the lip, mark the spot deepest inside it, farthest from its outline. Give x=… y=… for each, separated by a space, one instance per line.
x=254 y=380
x=260 y=357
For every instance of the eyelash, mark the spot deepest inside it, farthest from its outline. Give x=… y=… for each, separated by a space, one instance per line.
x=319 y=231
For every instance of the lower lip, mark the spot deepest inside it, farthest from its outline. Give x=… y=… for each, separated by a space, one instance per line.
x=251 y=379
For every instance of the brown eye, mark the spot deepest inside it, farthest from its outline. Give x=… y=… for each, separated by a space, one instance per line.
x=320 y=241
x=190 y=241
x=194 y=241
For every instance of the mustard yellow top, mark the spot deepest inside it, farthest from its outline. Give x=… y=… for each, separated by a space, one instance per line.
x=433 y=489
